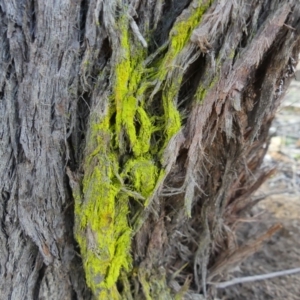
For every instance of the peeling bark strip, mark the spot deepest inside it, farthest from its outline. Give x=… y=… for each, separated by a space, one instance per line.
x=137 y=130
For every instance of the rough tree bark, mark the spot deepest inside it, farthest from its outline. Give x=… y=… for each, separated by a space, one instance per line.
x=131 y=138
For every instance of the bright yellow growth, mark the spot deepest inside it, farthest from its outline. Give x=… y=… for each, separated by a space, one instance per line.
x=120 y=166
x=101 y=227
x=142 y=175
x=179 y=36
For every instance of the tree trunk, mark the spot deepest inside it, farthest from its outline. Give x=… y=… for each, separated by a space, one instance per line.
x=132 y=137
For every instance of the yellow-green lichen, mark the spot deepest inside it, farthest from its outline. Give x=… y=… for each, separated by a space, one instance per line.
x=142 y=175
x=101 y=227
x=129 y=112
x=232 y=53
x=202 y=91
x=121 y=164
x=179 y=36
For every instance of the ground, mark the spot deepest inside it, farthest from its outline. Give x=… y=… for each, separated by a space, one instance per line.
x=281 y=205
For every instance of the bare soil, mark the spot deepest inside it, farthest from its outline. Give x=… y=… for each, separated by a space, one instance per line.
x=281 y=205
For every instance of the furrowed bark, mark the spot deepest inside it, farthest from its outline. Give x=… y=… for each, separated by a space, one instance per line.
x=132 y=136
x=39 y=66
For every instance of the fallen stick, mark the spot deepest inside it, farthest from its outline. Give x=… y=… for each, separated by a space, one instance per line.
x=225 y=284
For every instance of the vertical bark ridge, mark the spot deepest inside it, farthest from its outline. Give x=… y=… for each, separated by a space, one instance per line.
x=40 y=41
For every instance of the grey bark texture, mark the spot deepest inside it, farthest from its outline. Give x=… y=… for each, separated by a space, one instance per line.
x=57 y=67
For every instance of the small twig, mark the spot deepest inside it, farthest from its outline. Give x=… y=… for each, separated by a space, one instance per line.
x=229 y=258
x=137 y=32
x=225 y=284
x=276 y=192
x=289 y=27
x=283 y=106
